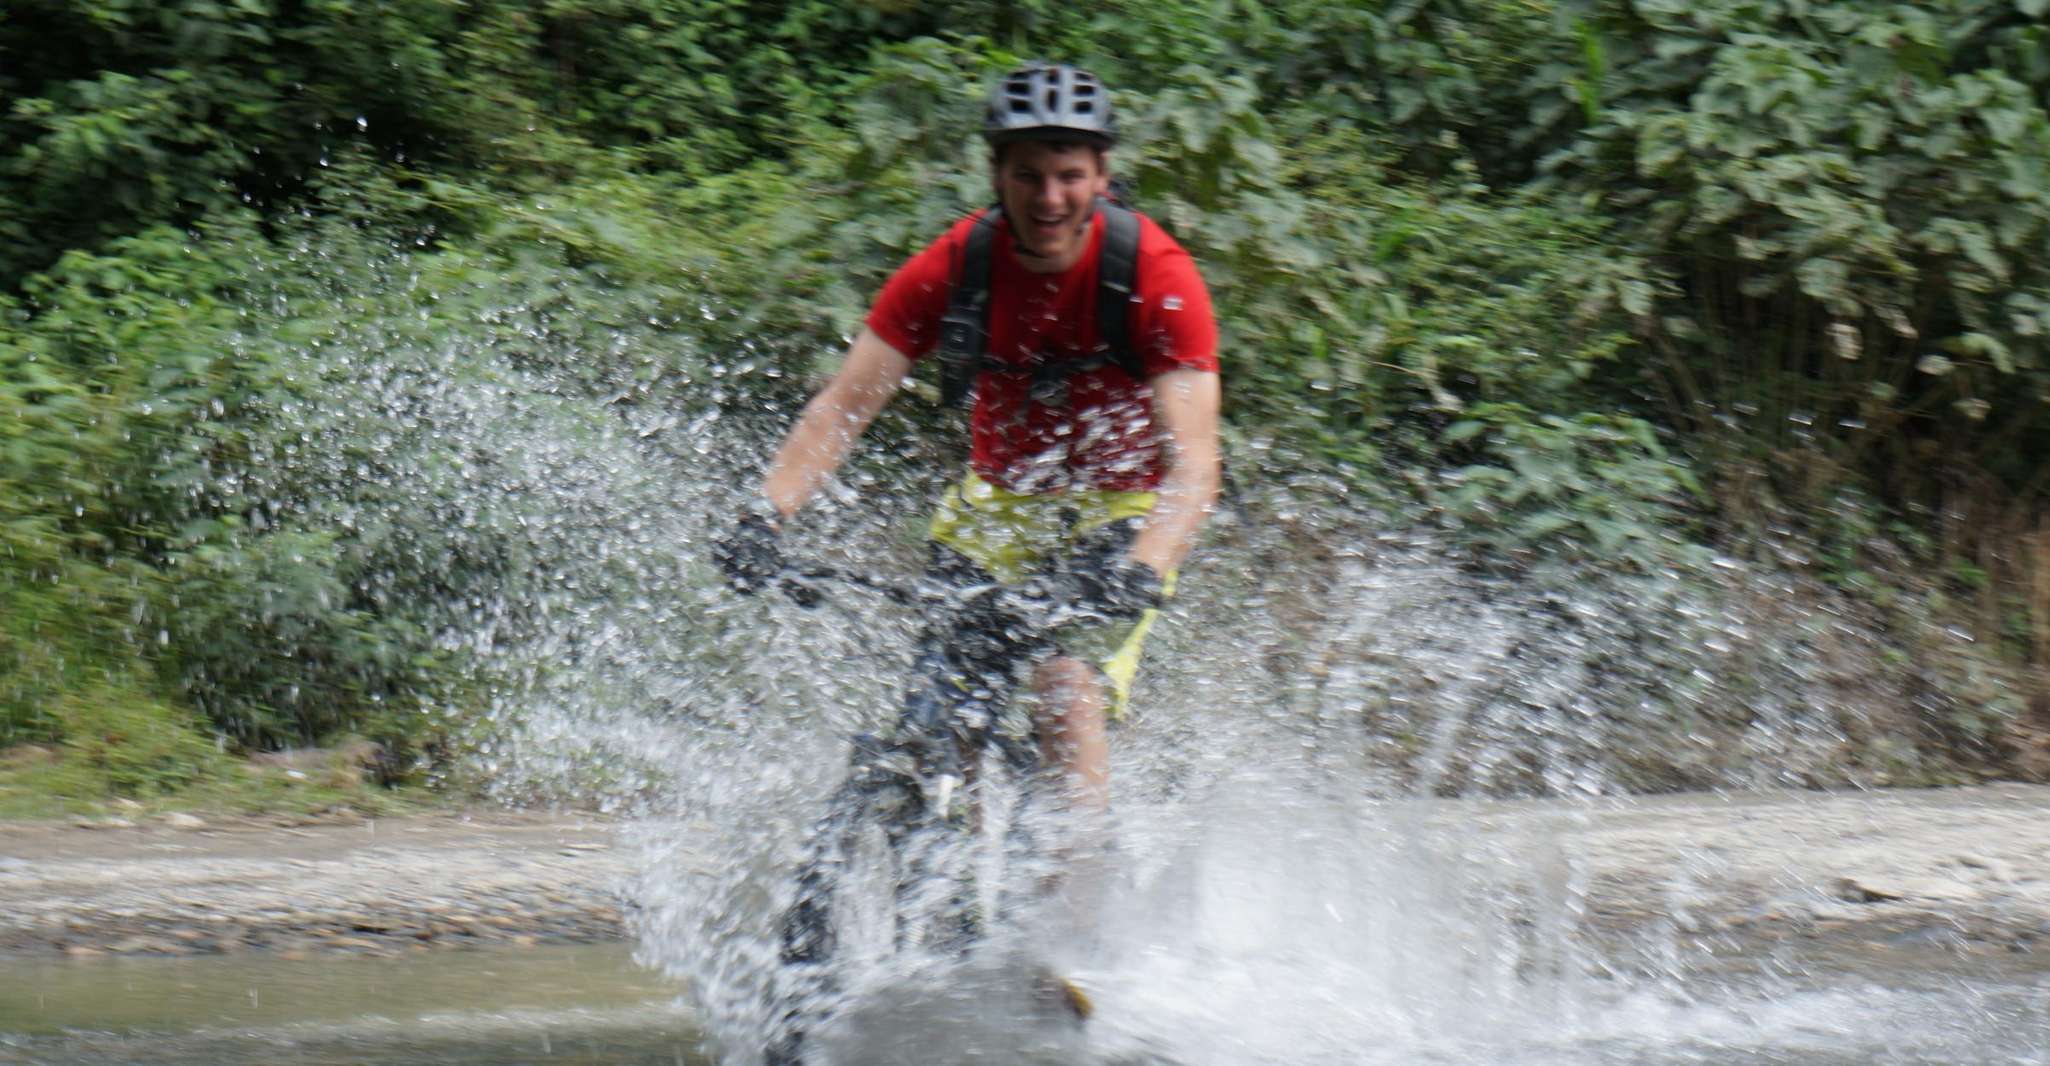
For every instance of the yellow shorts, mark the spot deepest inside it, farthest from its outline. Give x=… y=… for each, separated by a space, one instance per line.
x=1011 y=535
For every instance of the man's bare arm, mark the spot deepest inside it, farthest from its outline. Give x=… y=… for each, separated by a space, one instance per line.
x=1185 y=406
x=833 y=420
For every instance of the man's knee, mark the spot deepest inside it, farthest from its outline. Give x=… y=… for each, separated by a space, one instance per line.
x=1070 y=687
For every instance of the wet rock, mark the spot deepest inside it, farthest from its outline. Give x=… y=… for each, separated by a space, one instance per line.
x=1832 y=912
x=1988 y=868
x=1868 y=888
x=143 y=945
x=1943 y=890
x=1881 y=888
x=1927 y=936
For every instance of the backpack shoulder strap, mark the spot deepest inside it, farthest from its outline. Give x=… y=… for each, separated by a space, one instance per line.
x=964 y=329
x=1117 y=280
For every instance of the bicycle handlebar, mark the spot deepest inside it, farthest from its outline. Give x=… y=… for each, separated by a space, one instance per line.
x=1038 y=605
x=908 y=596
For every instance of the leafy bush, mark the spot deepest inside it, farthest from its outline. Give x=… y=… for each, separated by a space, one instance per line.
x=1592 y=284
x=137 y=749
x=1600 y=485
x=1850 y=198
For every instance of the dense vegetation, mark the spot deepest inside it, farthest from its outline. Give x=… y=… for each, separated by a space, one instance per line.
x=1628 y=283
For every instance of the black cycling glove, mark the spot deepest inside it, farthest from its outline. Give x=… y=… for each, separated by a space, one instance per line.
x=752 y=559
x=1117 y=588
x=751 y=556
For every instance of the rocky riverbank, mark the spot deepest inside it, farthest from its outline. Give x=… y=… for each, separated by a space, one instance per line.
x=1973 y=863
x=186 y=885
x=1969 y=867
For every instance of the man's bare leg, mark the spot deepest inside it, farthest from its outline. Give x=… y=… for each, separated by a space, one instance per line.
x=1075 y=746
x=1074 y=740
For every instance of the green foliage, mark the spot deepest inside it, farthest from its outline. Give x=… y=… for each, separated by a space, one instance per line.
x=1853 y=200
x=130 y=747
x=135 y=394
x=76 y=591
x=124 y=114
x=1533 y=268
x=1600 y=485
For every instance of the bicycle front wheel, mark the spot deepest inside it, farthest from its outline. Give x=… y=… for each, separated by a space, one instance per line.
x=844 y=914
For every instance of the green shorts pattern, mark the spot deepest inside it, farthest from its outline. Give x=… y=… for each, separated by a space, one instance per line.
x=1011 y=535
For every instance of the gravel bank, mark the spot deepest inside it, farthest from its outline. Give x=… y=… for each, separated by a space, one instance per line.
x=191 y=886
x=1975 y=861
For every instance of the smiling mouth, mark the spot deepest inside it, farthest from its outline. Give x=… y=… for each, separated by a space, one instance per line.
x=1043 y=235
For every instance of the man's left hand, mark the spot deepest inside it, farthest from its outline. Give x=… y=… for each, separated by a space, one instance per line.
x=1118 y=588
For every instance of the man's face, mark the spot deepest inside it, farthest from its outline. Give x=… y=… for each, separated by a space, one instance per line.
x=1047 y=191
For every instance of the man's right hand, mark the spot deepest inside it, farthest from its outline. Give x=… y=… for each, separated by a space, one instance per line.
x=751 y=556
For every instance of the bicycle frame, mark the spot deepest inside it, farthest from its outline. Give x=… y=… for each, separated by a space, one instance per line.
x=908 y=784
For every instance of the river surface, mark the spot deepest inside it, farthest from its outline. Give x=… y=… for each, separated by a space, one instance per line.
x=1912 y=999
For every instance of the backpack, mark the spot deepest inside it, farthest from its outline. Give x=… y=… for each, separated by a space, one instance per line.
x=964 y=329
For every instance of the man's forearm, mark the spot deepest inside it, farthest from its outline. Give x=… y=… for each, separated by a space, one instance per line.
x=813 y=450
x=831 y=422
x=1186 y=499
x=1185 y=406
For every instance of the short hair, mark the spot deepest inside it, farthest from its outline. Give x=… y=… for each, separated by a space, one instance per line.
x=1058 y=140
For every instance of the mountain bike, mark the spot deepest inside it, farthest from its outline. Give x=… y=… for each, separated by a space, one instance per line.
x=889 y=868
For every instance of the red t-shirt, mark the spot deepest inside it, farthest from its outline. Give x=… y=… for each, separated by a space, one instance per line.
x=1101 y=434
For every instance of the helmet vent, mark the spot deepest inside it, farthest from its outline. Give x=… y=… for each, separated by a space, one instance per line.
x=1050 y=97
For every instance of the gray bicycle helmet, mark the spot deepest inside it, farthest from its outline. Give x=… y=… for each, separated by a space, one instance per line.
x=1043 y=100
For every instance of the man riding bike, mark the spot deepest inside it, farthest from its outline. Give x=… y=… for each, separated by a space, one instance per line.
x=1083 y=336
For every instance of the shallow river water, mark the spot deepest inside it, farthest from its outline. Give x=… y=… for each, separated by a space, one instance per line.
x=1913 y=1001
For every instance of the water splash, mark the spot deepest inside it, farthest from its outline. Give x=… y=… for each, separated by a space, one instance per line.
x=1304 y=875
